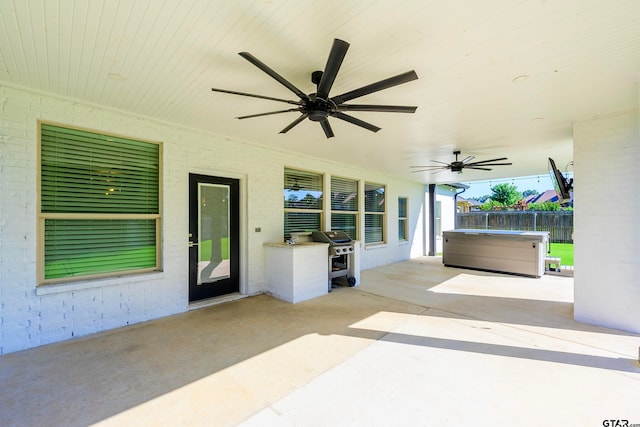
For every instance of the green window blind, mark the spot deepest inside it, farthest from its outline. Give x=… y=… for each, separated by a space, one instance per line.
x=345 y=222
x=298 y=222
x=88 y=247
x=99 y=201
x=83 y=172
x=373 y=228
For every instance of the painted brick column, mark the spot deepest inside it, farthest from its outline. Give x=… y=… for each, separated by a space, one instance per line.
x=606 y=231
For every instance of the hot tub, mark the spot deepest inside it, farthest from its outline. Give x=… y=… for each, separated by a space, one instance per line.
x=507 y=251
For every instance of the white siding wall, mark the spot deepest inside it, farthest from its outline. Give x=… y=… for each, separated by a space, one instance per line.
x=31 y=316
x=445 y=195
x=607 y=209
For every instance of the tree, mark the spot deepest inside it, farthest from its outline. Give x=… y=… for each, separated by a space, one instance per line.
x=490 y=205
x=506 y=194
x=545 y=206
x=527 y=193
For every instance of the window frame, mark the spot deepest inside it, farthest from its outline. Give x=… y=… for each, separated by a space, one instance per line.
x=403 y=221
x=42 y=217
x=371 y=214
x=320 y=211
x=355 y=213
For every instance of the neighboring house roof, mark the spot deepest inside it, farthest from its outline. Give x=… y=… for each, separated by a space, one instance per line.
x=547 y=196
x=468 y=201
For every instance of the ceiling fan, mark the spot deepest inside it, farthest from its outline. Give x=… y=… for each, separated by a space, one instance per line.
x=458 y=165
x=319 y=106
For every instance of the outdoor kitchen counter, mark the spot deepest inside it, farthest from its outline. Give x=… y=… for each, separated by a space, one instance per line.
x=296 y=246
x=297 y=272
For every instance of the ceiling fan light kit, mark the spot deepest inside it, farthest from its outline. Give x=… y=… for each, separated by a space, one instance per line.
x=318 y=106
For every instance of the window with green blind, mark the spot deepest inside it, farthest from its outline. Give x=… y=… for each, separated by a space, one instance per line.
x=344 y=206
x=403 y=224
x=99 y=205
x=302 y=201
x=374 y=213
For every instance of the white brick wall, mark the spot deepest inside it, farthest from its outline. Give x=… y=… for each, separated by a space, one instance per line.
x=607 y=208
x=31 y=316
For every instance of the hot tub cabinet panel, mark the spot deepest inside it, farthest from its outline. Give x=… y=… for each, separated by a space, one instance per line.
x=516 y=252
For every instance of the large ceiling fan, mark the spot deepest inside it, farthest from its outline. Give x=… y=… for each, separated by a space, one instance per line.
x=458 y=165
x=318 y=106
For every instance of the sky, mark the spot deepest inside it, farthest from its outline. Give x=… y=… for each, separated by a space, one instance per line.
x=541 y=183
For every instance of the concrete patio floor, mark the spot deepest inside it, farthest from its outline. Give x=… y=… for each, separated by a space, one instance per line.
x=416 y=344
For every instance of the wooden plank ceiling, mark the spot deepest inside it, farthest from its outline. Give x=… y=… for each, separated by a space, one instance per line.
x=496 y=77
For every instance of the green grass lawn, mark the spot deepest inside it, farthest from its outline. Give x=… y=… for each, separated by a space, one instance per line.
x=205 y=249
x=564 y=251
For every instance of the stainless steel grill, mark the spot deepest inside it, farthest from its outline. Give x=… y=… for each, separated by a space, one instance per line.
x=341 y=249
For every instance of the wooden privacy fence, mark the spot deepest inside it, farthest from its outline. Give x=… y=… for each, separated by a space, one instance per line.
x=558 y=223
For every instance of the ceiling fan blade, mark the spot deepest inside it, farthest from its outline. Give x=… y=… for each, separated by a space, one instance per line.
x=355 y=121
x=431 y=166
x=375 y=87
x=267 y=114
x=442 y=163
x=488 y=161
x=294 y=123
x=336 y=56
x=233 y=92
x=438 y=171
x=377 y=108
x=489 y=164
x=478 y=168
x=264 y=67
x=467 y=159
x=326 y=127
x=430 y=169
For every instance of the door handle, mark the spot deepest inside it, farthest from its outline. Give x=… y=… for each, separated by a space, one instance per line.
x=192 y=244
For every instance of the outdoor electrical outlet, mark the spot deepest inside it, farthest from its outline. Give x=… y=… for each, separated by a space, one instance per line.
x=258 y=229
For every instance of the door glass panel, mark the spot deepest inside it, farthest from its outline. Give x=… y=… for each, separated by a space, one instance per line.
x=213 y=232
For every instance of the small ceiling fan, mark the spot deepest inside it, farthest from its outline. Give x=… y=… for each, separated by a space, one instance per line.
x=458 y=165
x=318 y=106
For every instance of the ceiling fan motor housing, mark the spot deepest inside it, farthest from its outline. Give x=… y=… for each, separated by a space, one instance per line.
x=457 y=166
x=318 y=109
x=318 y=115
